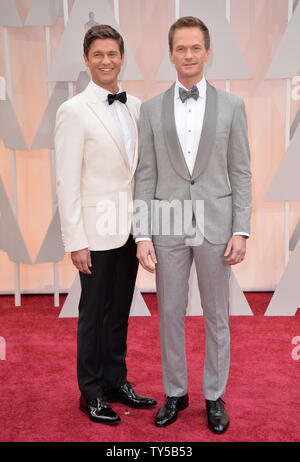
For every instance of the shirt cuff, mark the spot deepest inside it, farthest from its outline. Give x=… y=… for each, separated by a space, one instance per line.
x=139 y=239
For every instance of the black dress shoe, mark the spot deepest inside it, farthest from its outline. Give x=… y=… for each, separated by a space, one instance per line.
x=168 y=412
x=98 y=411
x=218 y=420
x=125 y=394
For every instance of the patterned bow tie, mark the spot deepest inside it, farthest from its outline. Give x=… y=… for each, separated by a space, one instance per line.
x=193 y=93
x=122 y=97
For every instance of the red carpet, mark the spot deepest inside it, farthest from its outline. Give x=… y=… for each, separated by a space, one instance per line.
x=39 y=395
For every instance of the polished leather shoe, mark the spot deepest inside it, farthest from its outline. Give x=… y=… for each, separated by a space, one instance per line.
x=167 y=414
x=218 y=420
x=98 y=411
x=125 y=394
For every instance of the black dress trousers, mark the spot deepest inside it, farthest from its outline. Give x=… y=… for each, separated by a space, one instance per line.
x=104 y=307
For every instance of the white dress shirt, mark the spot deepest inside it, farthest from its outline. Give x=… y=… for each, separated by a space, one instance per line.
x=189 y=121
x=123 y=120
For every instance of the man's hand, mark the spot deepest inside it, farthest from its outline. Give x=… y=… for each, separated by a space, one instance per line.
x=146 y=255
x=82 y=260
x=236 y=250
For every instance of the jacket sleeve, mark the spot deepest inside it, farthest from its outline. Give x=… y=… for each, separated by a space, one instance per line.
x=239 y=171
x=145 y=178
x=69 y=147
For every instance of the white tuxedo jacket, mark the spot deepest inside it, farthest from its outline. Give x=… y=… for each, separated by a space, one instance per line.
x=94 y=180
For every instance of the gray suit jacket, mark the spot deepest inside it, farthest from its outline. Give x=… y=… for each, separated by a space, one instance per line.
x=221 y=176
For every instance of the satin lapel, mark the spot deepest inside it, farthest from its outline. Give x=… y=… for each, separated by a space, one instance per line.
x=170 y=135
x=131 y=111
x=107 y=121
x=208 y=133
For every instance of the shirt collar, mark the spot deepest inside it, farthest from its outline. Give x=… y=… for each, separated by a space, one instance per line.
x=101 y=92
x=201 y=87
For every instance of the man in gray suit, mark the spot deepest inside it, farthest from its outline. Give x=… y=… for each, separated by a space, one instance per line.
x=193 y=151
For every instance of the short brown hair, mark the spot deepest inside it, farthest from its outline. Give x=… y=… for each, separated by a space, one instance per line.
x=102 y=31
x=189 y=21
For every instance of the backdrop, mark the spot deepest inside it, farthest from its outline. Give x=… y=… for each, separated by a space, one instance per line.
x=255 y=56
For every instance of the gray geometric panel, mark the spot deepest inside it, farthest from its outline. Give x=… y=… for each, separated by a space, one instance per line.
x=44 y=13
x=286 y=62
x=222 y=64
x=70 y=307
x=82 y=82
x=295 y=124
x=166 y=70
x=295 y=237
x=68 y=62
x=285 y=184
x=52 y=249
x=286 y=299
x=238 y=304
x=44 y=137
x=11 y=239
x=138 y=305
x=2 y=89
x=9 y=16
x=10 y=131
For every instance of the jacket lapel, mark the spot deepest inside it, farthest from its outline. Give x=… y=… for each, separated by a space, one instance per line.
x=132 y=112
x=107 y=121
x=170 y=134
x=208 y=133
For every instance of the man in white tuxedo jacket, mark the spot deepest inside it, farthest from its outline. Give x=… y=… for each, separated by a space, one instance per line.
x=96 y=157
x=193 y=151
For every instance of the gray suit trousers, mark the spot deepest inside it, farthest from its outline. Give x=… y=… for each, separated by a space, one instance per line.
x=172 y=276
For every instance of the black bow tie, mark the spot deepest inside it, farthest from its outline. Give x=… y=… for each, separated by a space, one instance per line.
x=122 y=97
x=184 y=94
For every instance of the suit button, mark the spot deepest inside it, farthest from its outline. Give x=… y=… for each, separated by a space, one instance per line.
x=192 y=182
